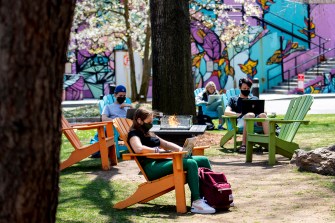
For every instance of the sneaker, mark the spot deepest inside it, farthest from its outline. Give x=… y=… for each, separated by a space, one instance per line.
x=199 y=206
x=242 y=149
x=220 y=127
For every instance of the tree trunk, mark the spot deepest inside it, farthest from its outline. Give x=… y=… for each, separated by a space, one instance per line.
x=146 y=66
x=171 y=54
x=33 y=43
x=131 y=53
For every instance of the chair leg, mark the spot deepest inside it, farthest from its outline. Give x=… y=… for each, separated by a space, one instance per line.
x=226 y=137
x=103 y=149
x=272 y=153
x=249 y=151
x=112 y=155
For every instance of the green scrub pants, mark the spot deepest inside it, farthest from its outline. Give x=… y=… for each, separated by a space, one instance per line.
x=156 y=169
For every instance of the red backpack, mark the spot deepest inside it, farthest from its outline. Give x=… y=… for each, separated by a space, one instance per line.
x=215 y=188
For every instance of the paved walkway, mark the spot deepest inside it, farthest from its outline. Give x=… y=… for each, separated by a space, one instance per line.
x=278 y=103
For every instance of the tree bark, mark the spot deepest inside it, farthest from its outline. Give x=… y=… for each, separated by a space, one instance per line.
x=33 y=43
x=171 y=53
x=131 y=53
x=146 y=66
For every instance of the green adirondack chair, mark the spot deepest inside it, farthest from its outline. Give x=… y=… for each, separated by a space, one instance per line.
x=232 y=128
x=282 y=144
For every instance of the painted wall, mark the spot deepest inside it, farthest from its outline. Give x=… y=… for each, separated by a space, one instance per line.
x=268 y=55
x=271 y=55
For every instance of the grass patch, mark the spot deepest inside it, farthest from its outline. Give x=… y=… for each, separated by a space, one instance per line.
x=86 y=197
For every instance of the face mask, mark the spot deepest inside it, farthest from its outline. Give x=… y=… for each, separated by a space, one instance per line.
x=120 y=99
x=147 y=126
x=245 y=92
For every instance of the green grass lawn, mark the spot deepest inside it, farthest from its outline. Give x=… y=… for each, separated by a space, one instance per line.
x=84 y=198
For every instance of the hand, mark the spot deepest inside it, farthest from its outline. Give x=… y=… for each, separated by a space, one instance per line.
x=123 y=105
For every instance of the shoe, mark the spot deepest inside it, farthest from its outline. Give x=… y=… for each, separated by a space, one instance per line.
x=220 y=127
x=242 y=149
x=199 y=206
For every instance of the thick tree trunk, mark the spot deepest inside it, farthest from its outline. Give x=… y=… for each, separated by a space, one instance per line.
x=33 y=42
x=171 y=53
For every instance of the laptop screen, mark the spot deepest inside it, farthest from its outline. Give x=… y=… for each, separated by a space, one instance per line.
x=130 y=113
x=254 y=106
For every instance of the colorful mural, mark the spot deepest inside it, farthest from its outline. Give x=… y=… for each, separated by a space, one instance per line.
x=92 y=75
x=309 y=30
x=281 y=34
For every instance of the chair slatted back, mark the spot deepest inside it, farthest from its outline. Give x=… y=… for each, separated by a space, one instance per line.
x=232 y=92
x=296 y=110
x=122 y=126
x=70 y=134
x=197 y=91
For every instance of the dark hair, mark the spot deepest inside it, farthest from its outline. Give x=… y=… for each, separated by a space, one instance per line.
x=244 y=81
x=140 y=113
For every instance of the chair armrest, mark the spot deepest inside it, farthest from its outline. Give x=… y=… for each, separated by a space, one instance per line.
x=95 y=125
x=274 y=120
x=201 y=147
x=92 y=123
x=131 y=156
x=85 y=127
x=199 y=150
x=201 y=104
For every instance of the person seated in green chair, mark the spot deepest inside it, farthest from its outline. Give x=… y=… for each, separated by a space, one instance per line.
x=234 y=108
x=119 y=108
x=202 y=97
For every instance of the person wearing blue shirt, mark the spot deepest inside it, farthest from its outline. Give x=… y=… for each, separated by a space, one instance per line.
x=119 y=108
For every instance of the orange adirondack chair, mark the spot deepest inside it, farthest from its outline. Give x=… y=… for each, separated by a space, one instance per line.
x=105 y=144
x=152 y=189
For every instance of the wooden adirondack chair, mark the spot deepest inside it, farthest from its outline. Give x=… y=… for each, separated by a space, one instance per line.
x=282 y=144
x=152 y=189
x=83 y=151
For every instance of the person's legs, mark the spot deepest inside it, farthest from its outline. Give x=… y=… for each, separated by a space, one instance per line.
x=202 y=161
x=214 y=105
x=264 y=124
x=159 y=168
x=244 y=137
x=219 y=110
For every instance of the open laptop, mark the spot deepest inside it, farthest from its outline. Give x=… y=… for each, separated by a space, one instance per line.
x=188 y=147
x=130 y=113
x=254 y=106
x=213 y=98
